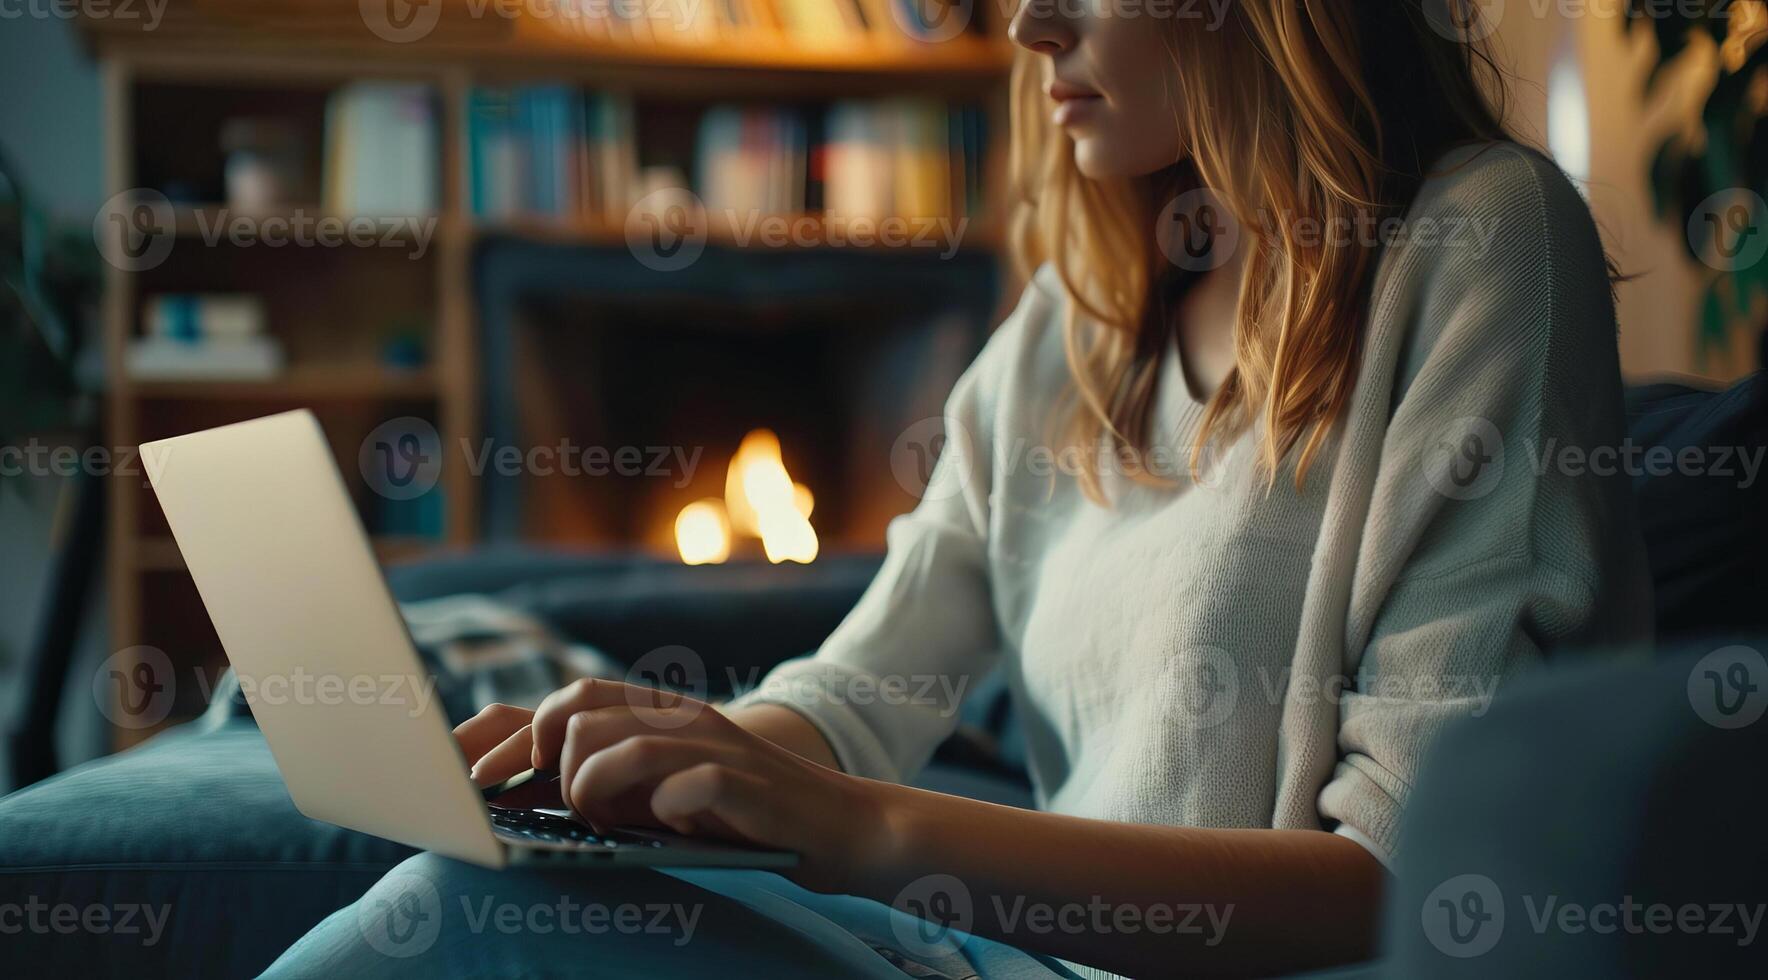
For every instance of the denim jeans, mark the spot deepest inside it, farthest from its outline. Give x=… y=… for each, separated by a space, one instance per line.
x=434 y=917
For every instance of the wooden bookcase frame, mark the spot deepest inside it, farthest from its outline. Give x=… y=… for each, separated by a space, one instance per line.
x=976 y=68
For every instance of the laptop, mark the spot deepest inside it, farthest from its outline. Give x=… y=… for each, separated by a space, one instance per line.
x=289 y=578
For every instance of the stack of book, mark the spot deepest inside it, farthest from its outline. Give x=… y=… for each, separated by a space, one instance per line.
x=189 y=336
x=552 y=152
x=382 y=150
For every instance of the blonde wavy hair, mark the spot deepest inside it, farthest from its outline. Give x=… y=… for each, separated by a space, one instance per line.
x=1318 y=109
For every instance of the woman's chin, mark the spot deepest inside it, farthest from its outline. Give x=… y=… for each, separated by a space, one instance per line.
x=1097 y=159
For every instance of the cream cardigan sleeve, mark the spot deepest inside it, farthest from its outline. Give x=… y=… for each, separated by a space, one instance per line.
x=1491 y=535
x=886 y=686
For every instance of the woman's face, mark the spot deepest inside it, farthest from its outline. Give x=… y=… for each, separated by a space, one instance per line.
x=1109 y=82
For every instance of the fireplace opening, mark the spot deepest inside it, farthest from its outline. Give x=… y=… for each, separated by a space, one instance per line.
x=807 y=398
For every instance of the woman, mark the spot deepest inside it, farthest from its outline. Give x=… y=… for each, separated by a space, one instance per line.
x=1301 y=321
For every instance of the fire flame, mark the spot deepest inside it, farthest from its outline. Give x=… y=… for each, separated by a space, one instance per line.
x=760 y=500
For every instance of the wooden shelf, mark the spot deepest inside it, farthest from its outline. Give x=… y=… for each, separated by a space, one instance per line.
x=203 y=222
x=299 y=384
x=202 y=45
x=161 y=554
x=809 y=231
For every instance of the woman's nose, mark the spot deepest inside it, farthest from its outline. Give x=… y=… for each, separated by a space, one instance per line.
x=1039 y=26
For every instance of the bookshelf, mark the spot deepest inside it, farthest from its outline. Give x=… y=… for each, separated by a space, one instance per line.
x=168 y=92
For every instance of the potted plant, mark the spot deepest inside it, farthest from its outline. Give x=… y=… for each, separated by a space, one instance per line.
x=1710 y=178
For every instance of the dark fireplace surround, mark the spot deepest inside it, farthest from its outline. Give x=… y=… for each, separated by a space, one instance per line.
x=837 y=351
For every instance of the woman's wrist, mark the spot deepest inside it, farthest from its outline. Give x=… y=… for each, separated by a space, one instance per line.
x=882 y=839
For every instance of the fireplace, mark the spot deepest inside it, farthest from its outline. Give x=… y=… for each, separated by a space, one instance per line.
x=745 y=407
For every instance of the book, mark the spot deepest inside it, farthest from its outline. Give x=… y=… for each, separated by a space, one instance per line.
x=382 y=150
x=233 y=359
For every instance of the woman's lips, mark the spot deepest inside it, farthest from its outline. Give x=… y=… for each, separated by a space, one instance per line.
x=1074 y=105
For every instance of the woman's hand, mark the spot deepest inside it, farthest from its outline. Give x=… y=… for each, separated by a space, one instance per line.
x=630 y=755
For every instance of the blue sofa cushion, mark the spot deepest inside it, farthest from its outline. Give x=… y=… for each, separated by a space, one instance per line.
x=1706 y=526
x=191 y=831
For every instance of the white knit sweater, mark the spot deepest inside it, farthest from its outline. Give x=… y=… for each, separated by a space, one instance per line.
x=1216 y=656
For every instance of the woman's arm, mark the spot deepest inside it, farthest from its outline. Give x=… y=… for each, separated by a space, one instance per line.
x=1131 y=898
x=788 y=729
x=1136 y=899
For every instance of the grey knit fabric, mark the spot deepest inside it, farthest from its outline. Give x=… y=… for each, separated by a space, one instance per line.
x=1214 y=655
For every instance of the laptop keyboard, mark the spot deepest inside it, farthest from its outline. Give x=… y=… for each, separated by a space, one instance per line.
x=547 y=828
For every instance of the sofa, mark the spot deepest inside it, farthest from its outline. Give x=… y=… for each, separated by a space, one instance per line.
x=1585 y=784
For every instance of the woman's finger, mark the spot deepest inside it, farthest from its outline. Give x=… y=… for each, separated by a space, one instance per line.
x=589 y=732
x=711 y=798
x=489 y=728
x=554 y=712
x=507 y=759
x=604 y=787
